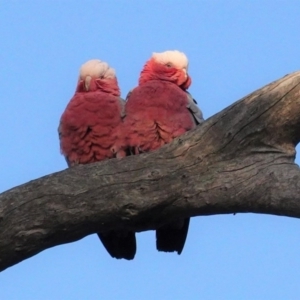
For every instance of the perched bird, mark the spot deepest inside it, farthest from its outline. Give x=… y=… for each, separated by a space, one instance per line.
x=158 y=110
x=89 y=131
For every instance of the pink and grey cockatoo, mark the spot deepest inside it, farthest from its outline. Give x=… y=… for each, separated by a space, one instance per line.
x=158 y=110
x=89 y=131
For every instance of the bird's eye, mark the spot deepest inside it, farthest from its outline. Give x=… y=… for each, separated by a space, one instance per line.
x=169 y=65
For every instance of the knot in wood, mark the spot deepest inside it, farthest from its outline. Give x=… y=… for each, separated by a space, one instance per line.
x=129 y=210
x=154 y=173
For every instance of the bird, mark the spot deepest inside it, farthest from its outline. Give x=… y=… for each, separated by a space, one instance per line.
x=89 y=131
x=157 y=111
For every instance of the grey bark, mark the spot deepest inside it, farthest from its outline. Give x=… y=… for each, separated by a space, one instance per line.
x=239 y=160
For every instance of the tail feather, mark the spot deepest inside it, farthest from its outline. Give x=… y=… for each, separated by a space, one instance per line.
x=171 y=237
x=119 y=244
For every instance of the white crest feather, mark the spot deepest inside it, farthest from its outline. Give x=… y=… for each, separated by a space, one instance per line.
x=176 y=58
x=96 y=68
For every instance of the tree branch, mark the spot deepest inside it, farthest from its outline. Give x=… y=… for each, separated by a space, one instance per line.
x=239 y=160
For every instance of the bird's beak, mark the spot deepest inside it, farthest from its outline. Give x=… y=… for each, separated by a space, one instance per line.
x=185 y=73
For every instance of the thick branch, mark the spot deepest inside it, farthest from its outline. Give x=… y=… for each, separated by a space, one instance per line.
x=240 y=160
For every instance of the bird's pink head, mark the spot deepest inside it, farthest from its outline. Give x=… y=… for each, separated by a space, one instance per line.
x=170 y=66
x=97 y=75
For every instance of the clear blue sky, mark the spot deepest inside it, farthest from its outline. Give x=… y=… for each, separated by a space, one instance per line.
x=234 y=47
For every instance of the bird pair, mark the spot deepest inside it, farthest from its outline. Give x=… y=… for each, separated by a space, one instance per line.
x=97 y=125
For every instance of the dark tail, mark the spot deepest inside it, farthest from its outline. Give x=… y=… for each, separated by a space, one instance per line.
x=171 y=237
x=119 y=244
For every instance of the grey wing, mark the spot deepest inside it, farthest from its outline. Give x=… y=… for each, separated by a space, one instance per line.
x=59 y=131
x=122 y=104
x=128 y=95
x=69 y=163
x=194 y=109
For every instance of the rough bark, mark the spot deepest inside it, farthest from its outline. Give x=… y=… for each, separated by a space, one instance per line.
x=239 y=160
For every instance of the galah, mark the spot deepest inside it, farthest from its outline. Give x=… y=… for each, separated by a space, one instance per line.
x=157 y=111
x=89 y=131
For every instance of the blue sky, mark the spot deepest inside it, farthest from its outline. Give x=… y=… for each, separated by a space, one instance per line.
x=234 y=48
